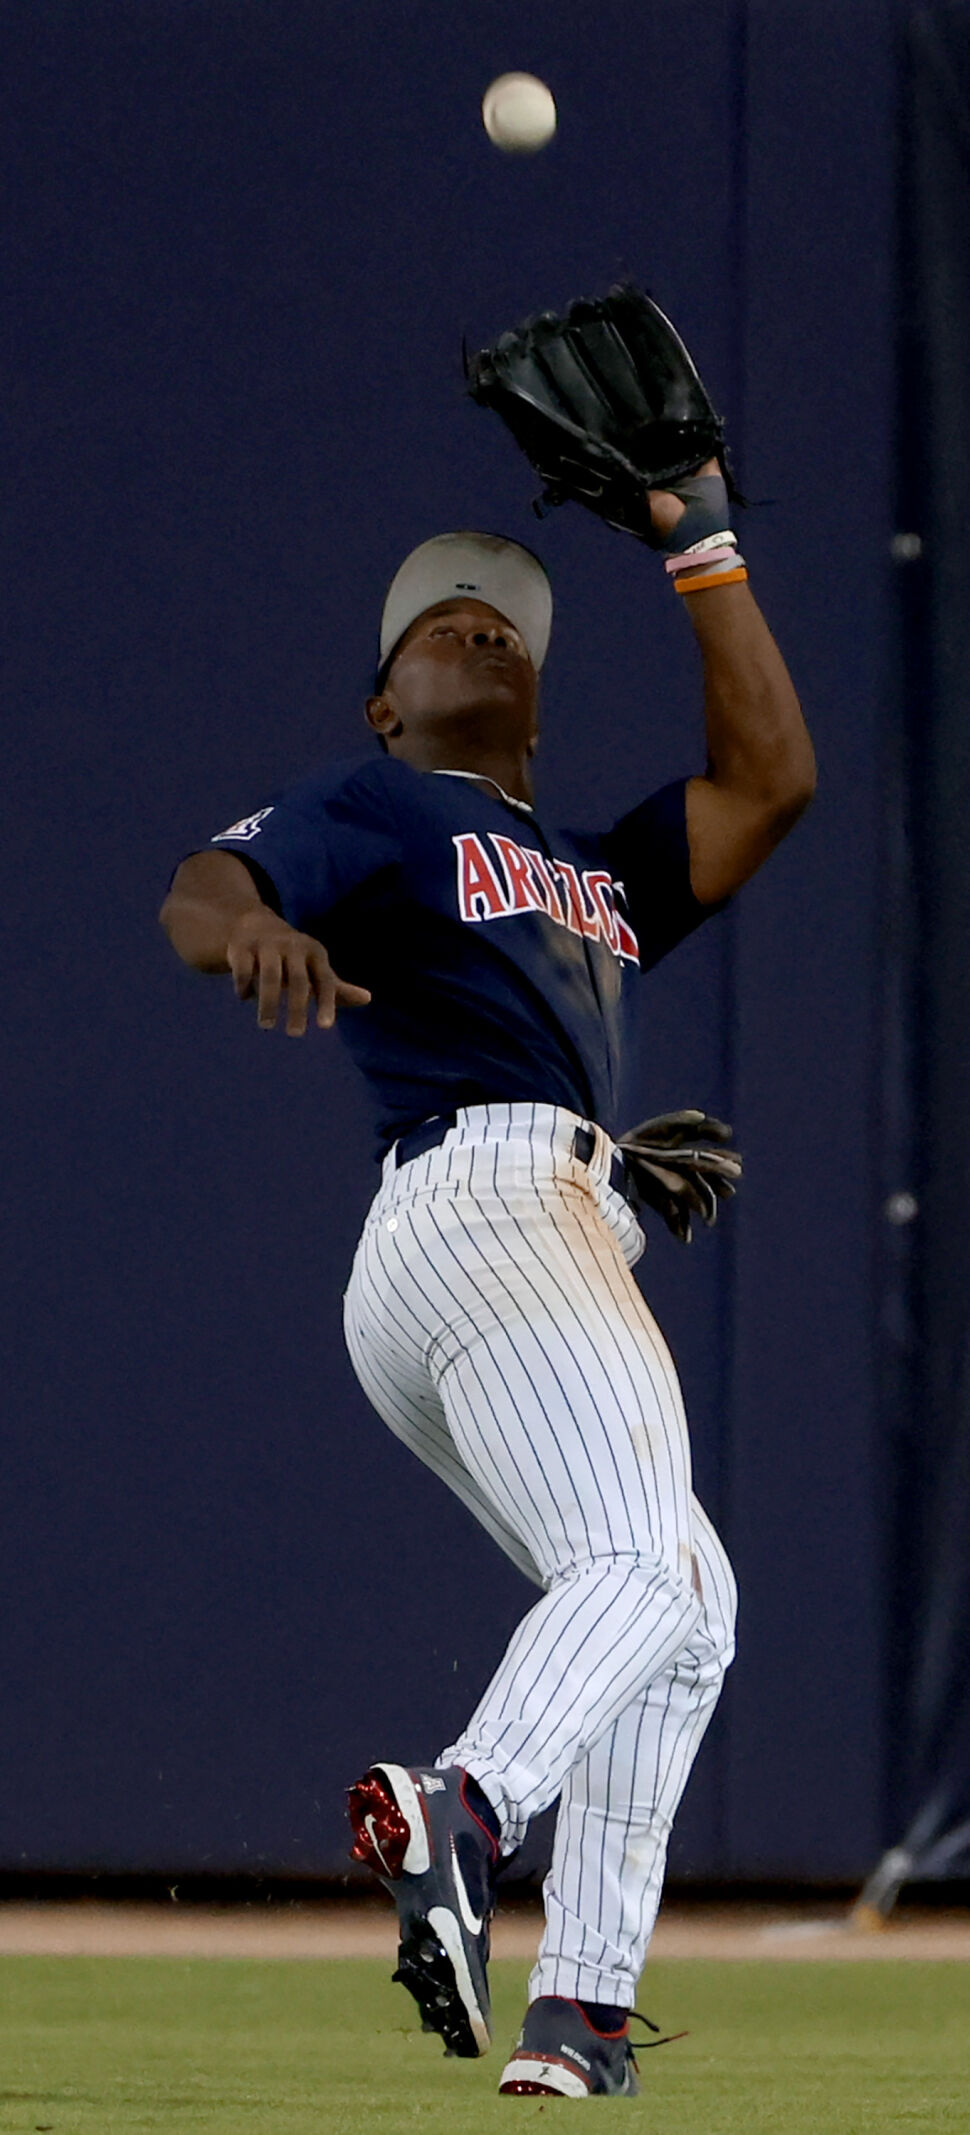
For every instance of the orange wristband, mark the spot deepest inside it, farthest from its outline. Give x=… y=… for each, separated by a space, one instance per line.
x=683 y=584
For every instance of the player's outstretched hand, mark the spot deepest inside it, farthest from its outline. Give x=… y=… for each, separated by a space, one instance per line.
x=267 y=959
x=667 y=508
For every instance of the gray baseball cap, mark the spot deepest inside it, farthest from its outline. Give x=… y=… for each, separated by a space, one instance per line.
x=501 y=572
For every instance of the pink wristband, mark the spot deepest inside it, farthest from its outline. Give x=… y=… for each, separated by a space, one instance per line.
x=690 y=559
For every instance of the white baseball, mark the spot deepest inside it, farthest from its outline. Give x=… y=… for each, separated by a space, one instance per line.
x=519 y=113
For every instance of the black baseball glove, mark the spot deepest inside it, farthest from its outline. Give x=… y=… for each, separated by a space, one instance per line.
x=669 y=1171
x=607 y=404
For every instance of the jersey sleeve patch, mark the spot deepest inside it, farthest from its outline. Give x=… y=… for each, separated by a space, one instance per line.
x=249 y=826
x=319 y=840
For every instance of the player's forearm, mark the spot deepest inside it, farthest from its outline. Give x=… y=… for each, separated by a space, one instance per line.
x=198 y=921
x=757 y=741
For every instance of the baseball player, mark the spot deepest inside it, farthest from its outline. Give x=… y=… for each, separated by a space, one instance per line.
x=484 y=964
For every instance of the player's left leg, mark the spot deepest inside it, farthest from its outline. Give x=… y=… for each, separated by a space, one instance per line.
x=564 y=1403
x=603 y=1888
x=618 y=1804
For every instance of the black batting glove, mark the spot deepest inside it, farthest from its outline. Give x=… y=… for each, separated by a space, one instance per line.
x=670 y=1171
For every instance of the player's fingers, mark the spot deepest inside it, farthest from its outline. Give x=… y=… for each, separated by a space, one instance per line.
x=322 y=982
x=270 y=983
x=242 y=964
x=352 y=996
x=329 y=989
x=297 y=995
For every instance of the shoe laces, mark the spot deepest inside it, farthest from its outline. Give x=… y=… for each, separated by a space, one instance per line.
x=635 y=2046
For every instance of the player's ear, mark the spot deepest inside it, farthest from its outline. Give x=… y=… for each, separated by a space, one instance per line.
x=382 y=717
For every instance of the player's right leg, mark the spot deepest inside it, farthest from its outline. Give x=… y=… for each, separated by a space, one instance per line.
x=510 y=1306
x=499 y=1285
x=428 y=1835
x=388 y=1353
x=432 y=1838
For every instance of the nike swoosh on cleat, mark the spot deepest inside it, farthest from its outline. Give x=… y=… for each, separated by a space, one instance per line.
x=473 y=1924
x=375 y=1841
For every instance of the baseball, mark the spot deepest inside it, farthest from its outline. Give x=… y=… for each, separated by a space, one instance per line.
x=519 y=114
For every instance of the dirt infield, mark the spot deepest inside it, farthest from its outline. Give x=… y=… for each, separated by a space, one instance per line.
x=88 y=1928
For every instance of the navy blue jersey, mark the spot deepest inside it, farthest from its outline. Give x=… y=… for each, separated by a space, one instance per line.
x=501 y=954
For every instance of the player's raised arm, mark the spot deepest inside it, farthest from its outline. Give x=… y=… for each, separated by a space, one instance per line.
x=761 y=764
x=760 y=761
x=608 y=405
x=216 y=921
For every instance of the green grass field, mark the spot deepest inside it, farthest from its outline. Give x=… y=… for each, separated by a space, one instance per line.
x=329 y=2048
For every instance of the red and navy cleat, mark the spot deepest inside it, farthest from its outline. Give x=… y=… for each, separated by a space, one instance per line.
x=424 y=1837
x=560 y=2054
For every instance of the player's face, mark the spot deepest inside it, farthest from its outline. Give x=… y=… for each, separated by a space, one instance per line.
x=460 y=667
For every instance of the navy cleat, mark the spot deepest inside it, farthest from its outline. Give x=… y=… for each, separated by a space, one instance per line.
x=423 y=1836
x=560 y=2054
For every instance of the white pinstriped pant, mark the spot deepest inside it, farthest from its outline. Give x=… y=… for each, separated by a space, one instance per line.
x=492 y=1320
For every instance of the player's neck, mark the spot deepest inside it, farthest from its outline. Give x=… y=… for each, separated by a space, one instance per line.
x=508 y=771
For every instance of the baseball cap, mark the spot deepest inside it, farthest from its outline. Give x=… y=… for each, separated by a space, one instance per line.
x=492 y=568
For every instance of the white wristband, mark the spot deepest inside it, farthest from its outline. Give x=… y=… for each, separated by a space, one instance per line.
x=725 y=540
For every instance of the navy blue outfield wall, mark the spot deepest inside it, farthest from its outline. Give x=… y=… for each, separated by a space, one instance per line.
x=238 y=264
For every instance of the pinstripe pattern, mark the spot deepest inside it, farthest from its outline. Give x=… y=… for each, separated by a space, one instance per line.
x=604 y=1884
x=493 y=1322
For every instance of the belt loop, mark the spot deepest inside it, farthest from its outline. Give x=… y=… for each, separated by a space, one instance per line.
x=592 y=1146
x=584 y=1145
